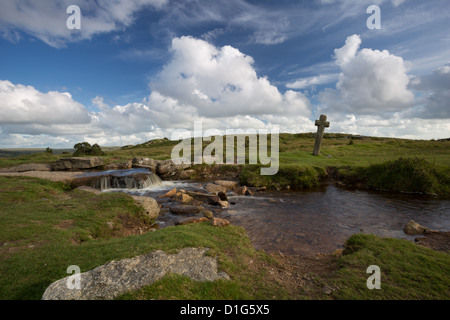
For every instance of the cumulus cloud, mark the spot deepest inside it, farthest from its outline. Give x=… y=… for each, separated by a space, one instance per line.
x=221 y=82
x=218 y=86
x=24 y=105
x=370 y=82
x=46 y=19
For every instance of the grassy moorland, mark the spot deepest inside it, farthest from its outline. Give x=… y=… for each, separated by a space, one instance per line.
x=46 y=227
x=369 y=162
x=378 y=163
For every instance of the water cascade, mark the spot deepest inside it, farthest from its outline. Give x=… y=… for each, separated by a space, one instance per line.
x=120 y=179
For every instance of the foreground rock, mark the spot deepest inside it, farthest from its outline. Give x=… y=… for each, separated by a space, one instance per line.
x=413 y=228
x=77 y=163
x=118 y=277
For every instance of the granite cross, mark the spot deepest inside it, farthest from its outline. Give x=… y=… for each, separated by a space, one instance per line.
x=321 y=124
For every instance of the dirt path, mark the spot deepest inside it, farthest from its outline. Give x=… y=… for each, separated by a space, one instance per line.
x=50 y=175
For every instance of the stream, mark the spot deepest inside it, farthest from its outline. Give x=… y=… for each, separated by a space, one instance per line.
x=319 y=220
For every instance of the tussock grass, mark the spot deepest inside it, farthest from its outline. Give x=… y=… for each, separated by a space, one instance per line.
x=408 y=271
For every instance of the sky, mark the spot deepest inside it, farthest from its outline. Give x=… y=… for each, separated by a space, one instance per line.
x=138 y=70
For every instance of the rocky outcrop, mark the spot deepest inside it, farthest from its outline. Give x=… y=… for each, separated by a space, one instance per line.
x=77 y=163
x=119 y=166
x=118 y=277
x=413 y=228
x=163 y=168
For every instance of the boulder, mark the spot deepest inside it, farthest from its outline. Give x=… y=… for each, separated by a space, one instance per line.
x=77 y=163
x=150 y=206
x=118 y=277
x=243 y=191
x=413 y=228
x=219 y=222
x=191 y=221
x=144 y=163
x=169 y=194
x=183 y=197
x=205 y=197
x=28 y=167
x=166 y=168
x=215 y=188
x=224 y=204
x=119 y=166
x=223 y=196
x=227 y=184
x=208 y=214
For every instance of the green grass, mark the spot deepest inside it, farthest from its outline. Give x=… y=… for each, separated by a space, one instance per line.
x=35 y=248
x=294 y=176
x=408 y=271
x=416 y=175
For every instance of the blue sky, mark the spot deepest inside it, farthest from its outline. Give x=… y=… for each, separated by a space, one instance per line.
x=142 y=69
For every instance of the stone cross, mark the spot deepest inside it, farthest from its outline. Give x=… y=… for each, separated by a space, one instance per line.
x=321 y=124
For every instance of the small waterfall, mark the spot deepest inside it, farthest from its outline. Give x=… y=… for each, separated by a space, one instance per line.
x=121 y=179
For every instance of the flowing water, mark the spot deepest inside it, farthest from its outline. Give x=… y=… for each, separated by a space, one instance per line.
x=320 y=220
x=122 y=179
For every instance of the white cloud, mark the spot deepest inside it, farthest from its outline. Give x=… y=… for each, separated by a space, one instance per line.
x=24 y=105
x=46 y=19
x=221 y=82
x=436 y=86
x=312 y=81
x=399 y=125
x=371 y=81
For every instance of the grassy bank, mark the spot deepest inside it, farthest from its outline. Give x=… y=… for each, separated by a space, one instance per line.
x=416 y=175
x=407 y=271
x=294 y=176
